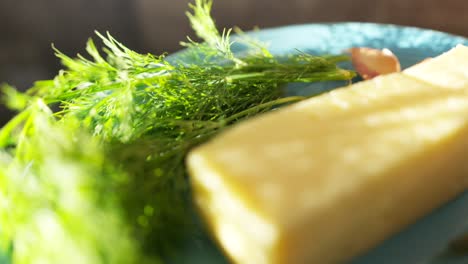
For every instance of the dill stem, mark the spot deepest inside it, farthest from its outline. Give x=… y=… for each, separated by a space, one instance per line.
x=234 y=77
x=327 y=76
x=255 y=109
x=29 y=122
x=10 y=126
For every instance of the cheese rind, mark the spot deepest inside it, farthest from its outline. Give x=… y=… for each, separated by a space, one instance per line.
x=324 y=180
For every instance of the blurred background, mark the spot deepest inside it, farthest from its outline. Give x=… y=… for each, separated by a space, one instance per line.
x=27 y=28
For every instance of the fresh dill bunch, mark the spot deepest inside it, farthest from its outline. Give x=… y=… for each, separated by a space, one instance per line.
x=119 y=139
x=57 y=196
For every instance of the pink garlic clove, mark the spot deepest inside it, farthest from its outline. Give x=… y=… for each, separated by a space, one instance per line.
x=370 y=63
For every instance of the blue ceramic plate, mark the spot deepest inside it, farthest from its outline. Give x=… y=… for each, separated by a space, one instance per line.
x=423 y=242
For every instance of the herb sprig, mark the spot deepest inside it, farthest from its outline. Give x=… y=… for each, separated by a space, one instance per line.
x=102 y=180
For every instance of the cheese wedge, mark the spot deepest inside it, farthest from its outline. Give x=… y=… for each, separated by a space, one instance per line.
x=447 y=70
x=326 y=179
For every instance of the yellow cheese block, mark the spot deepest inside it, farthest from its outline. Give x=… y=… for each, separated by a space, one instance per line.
x=448 y=70
x=326 y=179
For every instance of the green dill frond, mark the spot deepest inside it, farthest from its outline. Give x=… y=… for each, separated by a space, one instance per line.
x=203 y=24
x=256 y=47
x=12 y=98
x=58 y=196
x=217 y=44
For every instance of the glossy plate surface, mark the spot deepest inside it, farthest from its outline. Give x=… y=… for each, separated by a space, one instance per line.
x=427 y=240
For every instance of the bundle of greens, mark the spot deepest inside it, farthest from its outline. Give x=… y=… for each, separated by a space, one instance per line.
x=102 y=179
